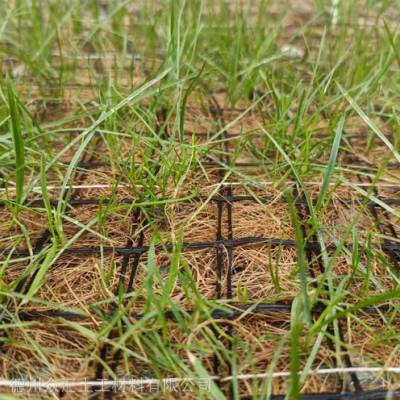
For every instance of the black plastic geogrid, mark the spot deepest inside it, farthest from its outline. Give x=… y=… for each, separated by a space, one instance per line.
x=224 y=249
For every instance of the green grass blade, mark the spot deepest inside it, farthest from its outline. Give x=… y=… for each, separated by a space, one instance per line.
x=18 y=141
x=301 y=257
x=37 y=281
x=203 y=374
x=331 y=164
x=392 y=42
x=45 y=196
x=371 y=124
x=296 y=328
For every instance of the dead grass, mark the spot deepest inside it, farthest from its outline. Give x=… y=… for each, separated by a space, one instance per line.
x=11 y=234
x=263 y=273
x=63 y=353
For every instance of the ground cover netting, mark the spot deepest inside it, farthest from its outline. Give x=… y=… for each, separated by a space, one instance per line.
x=183 y=234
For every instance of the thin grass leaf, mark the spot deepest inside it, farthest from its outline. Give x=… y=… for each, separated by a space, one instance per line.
x=45 y=266
x=372 y=301
x=184 y=103
x=301 y=257
x=371 y=124
x=296 y=328
x=45 y=196
x=18 y=141
x=331 y=164
x=371 y=197
x=203 y=374
x=392 y=42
